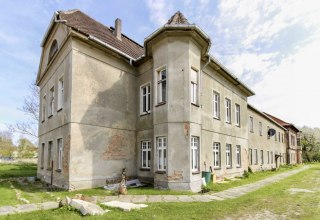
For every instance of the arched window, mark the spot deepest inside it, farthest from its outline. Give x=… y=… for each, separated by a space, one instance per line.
x=53 y=50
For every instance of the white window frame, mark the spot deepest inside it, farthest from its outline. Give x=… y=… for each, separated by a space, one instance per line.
x=228 y=110
x=59 y=153
x=60 y=93
x=238 y=155
x=261 y=157
x=146 y=154
x=268 y=128
x=250 y=156
x=237 y=114
x=194 y=86
x=251 y=124
x=195 y=153
x=216 y=155
x=51 y=102
x=275 y=135
x=44 y=104
x=260 y=128
x=228 y=156
x=145 y=108
x=216 y=105
x=161 y=95
x=49 y=154
x=162 y=153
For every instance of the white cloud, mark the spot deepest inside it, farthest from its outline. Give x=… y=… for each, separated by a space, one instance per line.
x=160 y=11
x=292 y=90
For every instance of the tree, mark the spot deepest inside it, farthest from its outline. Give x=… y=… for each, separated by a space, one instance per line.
x=310 y=143
x=6 y=145
x=31 y=109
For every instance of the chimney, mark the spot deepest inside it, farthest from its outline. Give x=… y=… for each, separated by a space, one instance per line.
x=117 y=28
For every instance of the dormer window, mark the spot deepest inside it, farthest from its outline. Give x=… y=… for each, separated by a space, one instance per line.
x=53 y=50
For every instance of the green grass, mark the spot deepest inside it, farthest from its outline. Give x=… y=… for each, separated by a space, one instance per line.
x=17 y=170
x=253 y=177
x=273 y=201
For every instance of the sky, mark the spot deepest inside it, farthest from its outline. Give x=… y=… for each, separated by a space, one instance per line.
x=272 y=46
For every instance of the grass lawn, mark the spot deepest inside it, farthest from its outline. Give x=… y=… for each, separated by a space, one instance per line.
x=271 y=202
x=17 y=170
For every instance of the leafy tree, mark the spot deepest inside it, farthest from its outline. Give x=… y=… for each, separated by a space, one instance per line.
x=310 y=143
x=6 y=145
x=26 y=148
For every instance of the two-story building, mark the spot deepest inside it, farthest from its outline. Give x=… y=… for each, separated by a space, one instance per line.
x=165 y=111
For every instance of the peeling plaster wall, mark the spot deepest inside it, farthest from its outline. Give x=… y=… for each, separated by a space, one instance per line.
x=104 y=110
x=58 y=125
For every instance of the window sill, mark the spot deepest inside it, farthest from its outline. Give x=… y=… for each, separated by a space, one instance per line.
x=216 y=118
x=160 y=103
x=160 y=172
x=145 y=169
x=49 y=169
x=217 y=168
x=195 y=172
x=58 y=170
x=194 y=104
x=238 y=126
x=43 y=121
x=50 y=116
x=238 y=166
x=229 y=167
x=228 y=122
x=145 y=113
x=59 y=109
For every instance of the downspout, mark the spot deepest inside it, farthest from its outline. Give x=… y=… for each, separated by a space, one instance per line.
x=200 y=81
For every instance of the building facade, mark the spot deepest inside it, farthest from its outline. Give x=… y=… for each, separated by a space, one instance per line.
x=165 y=111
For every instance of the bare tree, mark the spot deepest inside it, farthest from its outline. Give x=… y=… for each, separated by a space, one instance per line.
x=31 y=109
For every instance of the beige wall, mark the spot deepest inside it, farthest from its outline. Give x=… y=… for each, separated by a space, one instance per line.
x=262 y=142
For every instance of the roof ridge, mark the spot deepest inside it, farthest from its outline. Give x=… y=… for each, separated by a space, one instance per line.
x=177 y=18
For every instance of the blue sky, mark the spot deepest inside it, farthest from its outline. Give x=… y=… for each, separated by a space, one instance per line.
x=272 y=46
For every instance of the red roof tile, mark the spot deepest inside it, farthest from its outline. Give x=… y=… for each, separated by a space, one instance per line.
x=88 y=26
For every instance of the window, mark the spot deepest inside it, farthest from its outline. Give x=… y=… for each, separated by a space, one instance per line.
x=42 y=155
x=237 y=115
x=268 y=128
x=49 y=158
x=228 y=155
x=44 y=103
x=53 y=50
x=145 y=99
x=250 y=156
x=216 y=105
x=251 y=124
x=238 y=154
x=60 y=150
x=282 y=137
x=268 y=157
x=51 y=103
x=146 y=154
x=275 y=135
x=228 y=111
x=256 y=156
x=162 y=153
x=194 y=86
x=293 y=140
x=60 y=93
x=162 y=85
x=195 y=153
x=216 y=155
x=279 y=136
x=260 y=128
x=271 y=155
x=262 y=159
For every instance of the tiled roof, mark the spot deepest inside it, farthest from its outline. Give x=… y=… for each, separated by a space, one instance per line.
x=281 y=122
x=88 y=26
x=177 y=18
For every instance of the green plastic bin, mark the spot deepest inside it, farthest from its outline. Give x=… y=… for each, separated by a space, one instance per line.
x=207 y=176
